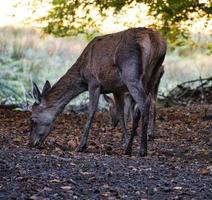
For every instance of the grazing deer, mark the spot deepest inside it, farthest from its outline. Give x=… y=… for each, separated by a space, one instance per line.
x=112 y=63
x=130 y=108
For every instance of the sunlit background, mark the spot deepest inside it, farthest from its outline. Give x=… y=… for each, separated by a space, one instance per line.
x=27 y=54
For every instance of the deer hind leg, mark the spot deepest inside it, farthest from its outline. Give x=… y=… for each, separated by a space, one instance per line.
x=94 y=93
x=131 y=77
x=144 y=107
x=119 y=101
x=152 y=118
x=135 y=119
x=154 y=93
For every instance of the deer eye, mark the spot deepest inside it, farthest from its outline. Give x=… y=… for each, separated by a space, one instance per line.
x=33 y=122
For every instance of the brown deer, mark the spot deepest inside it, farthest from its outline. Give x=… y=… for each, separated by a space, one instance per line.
x=113 y=63
x=130 y=107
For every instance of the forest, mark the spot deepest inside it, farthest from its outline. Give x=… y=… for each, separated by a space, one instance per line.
x=44 y=118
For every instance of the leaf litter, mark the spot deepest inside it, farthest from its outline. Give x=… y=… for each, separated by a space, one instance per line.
x=178 y=165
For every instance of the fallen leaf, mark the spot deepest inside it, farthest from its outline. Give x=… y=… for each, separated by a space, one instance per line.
x=36 y=197
x=55 y=181
x=17 y=139
x=66 y=187
x=72 y=144
x=203 y=171
x=92 y=179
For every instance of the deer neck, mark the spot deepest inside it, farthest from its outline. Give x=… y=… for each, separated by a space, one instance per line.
x=65 y=89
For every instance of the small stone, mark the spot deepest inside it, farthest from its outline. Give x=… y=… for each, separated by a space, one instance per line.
x=178 y=188
x=167 y=189
x=47 y=189
x=105 y=194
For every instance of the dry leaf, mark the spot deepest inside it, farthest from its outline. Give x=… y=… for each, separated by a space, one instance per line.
x=66 y=187
x=55 y=181
x=203 y=171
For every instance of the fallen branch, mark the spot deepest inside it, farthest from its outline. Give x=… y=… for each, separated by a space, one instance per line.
x=24 y=107
x=186 y=93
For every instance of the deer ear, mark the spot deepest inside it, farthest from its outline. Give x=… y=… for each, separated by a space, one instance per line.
x=108 y=99
x=46 y=87
x=36 y=93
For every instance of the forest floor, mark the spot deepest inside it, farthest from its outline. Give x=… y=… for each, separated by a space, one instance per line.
x=178 y=165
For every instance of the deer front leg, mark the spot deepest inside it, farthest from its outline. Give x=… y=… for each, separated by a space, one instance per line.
x=119 y=100
x=94 y=93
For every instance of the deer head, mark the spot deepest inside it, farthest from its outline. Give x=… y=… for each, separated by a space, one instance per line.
x=42 y=116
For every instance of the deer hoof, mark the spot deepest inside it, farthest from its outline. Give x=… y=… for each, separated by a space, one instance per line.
x=151 y=137
x=143 y=152
x=128 y=151
x=81 y=148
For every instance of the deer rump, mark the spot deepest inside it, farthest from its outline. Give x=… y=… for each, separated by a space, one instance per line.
x=105 y=57
x=114 y=63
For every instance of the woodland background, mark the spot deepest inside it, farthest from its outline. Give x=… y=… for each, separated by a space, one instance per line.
x=41 y=39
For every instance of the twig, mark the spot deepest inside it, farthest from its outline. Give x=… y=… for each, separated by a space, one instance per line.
x=62 y=158
x=25 y=107
x=203 y=97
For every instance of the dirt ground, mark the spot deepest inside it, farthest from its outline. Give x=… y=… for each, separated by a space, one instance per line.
x=178 y=165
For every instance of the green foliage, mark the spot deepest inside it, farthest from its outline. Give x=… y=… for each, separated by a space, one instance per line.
x=25 y=57
x=68 y=17
x=209 y=47
x=172 y=13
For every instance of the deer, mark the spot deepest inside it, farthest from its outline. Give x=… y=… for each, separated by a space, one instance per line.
x=130 y=108
x=113 y=63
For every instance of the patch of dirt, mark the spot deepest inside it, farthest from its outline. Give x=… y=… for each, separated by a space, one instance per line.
x=178 y=165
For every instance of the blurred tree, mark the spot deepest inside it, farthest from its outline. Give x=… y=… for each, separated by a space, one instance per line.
x=71 y=17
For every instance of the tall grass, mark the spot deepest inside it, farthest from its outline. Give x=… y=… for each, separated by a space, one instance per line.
x=25 y=56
